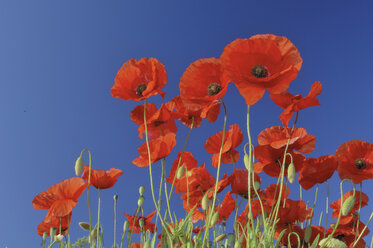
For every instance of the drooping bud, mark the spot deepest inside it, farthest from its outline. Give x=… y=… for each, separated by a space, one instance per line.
x=220 y=238
x=141 y=190
x=249 y=166
x=291 y=172
x=332 y=243
x=180 y=172
x=126 y=225
x=348 y=204
x=84 y=226
x=79 y=165
x=307 y=234
x=215 y=218
x=205 y=202
x=141 y=223
x=140 y=201
x=115 y=197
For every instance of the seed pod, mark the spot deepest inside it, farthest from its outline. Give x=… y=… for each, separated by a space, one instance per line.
x=141 y=190
x=215 y=218
x=220 y=238
x=307 y=234
x=126 y=225
x=84 y=226
x=347 y=205
x=78 y=165
x=249 y=166
x=332 y=243
x=205 y=202
x=180 y=172
x=140 y=201
x=291 y=172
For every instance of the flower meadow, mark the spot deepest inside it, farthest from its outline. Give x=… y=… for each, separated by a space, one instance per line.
x=221 y=210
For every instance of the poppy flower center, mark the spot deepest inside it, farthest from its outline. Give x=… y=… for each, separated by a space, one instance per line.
x=140 y=89
x=341 y=237
x=360 y=163
x=158 y=123
x=259 y=71
x=213 y=89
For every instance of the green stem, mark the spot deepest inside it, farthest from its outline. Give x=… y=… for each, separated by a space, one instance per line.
x=115 y=221
x=98 y=218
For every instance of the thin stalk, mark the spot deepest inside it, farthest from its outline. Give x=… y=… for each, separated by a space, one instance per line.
x=358 y=214
x=327 y=207
x=98 y=218
x=115 y=221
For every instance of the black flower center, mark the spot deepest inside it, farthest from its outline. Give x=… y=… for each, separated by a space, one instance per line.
x=360 y=163
x=213 y=89
x=158 y=123
x=259 y=71
x=341 y=237
x=140 y=89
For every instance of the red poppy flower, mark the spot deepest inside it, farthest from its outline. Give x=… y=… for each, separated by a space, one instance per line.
x=232 y=139
x=355 y=160
x=187 y=160
x=203 y=82
x=292 y=104
x=316 y=230
x=185 y=113
x=159 y=148
x=159 y=122
x=55 y=222
x=100 y=178
x=138 y=80
x=270 y=194
x=348 y=224
x=61 y=198
x=316 y=170
x=270 y=160
x=337 y=204
x=147 y=224
x=263 y=62
x=136 y=245
x=293 y=211
x=198 y=178
x=347 y=235
x=240 y=183
x=277 y=137
x=243 y=218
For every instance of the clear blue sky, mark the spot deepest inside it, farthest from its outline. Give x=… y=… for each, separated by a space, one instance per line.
x=58 y=60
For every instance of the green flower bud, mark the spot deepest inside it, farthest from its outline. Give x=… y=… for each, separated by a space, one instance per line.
x=215 y=218
x=249 y=166
x=140 y=201
x=141 y=223
x=220 y=238
x=126 y=225
x=141 y=190
x=45 y=235
x=332 y=243
x=347 y=205
x=257 y=185
x=205 y=202
x=78 y=166
x=52 y=231
x=291 y=172
x=93 y=235
x=84 y=225
x=307 y=234
x=180 y=171
x=115 y=197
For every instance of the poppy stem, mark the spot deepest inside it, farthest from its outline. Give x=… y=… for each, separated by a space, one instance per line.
x=211 y=213
x=98 y=218
x=165 y=189
x=358 y=214
x=327 y=207
x=115 y=221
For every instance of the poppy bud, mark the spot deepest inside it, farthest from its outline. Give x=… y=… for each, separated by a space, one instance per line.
x=180 y=172
x=307 y=234
x=291 y=172
x=140 y=201
x=141 y=190
x=78 y=166
x=248 y=164
x=141 y=223
x=93 y=235
x=52 y=231
x=115 y=197
x=257 y=185
x=332 y=243
x=45 y=235
x=205 y=202
x=126 y=225
x=215 y=218
x=58 y=237
x=84 y=225
x=347 y=205
x=220 y=238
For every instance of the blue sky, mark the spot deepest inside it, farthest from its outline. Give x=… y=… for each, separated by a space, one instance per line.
x=58 y=60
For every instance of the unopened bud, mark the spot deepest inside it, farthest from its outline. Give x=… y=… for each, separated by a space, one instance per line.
x=141 y=190
x=220 y=238
x=249 y=166
x=141 y=223
x=58 y=237
x=332 y=243
x=180 y=171
x=52 y=231
x=84 y=225
x=78 y=166
x=115 y=197
x=93 y=235
x=347 y=205
x=291 y=172
x=307 y=234
x=140 y=201
x=45 y=235
x=126 y=225
x=205 y=202
x=215 y=218
x=256 y=185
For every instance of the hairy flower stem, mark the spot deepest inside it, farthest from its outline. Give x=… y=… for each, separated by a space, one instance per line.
x=358 y=214
x=151 y=172
x=250 y=166
x=209 y=217
x=115 y=222
x=98 y=219
x=326 y=207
